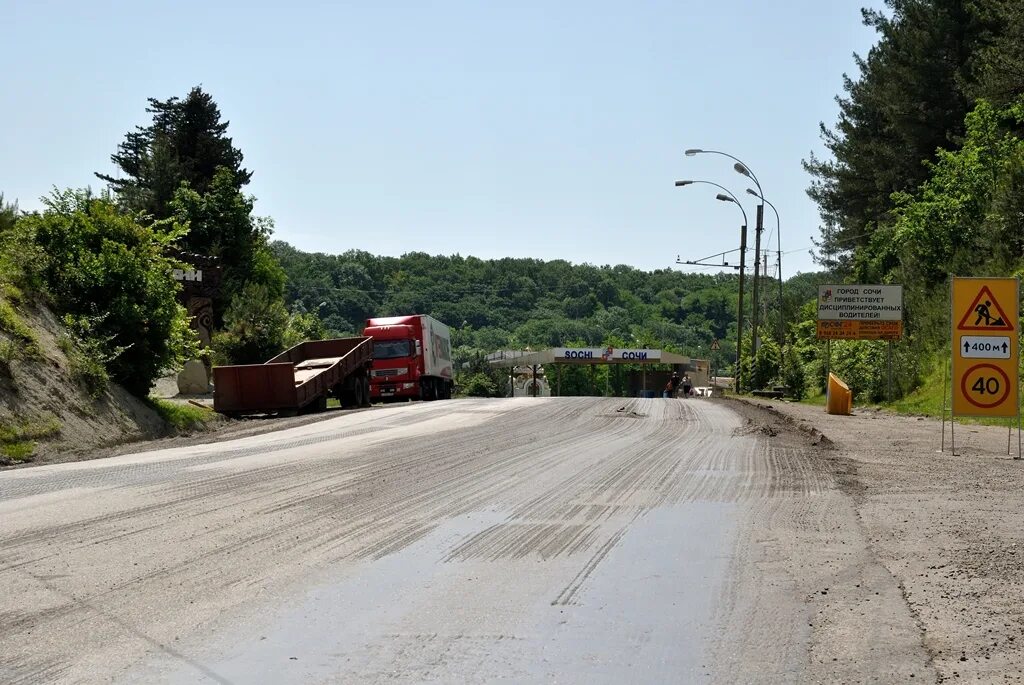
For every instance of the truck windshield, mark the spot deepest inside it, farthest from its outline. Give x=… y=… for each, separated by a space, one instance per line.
x=392 y=349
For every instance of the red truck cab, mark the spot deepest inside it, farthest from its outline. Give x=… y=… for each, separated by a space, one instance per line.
x=411 y=358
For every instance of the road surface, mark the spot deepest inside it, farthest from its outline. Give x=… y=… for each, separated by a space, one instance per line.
x=571 y=540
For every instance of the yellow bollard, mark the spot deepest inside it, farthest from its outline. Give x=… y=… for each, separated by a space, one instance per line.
x=839 y=399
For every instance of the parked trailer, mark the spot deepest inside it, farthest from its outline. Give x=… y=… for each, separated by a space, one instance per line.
x=299 y=379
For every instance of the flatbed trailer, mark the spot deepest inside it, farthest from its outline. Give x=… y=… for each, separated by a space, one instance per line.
x=300 y=379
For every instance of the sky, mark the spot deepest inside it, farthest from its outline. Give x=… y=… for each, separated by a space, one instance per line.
x=552 y=130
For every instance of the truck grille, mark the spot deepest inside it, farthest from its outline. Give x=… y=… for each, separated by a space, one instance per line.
x=378 y=373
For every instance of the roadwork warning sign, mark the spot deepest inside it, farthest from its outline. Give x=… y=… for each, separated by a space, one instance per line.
x=986 y=313
x=985 y=350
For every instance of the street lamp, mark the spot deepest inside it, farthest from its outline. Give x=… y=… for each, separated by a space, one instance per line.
x=778 y=233
x=741 y=168
x=728 y=196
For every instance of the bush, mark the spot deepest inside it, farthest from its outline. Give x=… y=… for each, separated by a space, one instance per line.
x=87 y=359
x=765 y=367
x=794 y=376
x=105 y=266
x=479 y=385
x=255 y=327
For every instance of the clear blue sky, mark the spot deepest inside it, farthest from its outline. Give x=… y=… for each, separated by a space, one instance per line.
x=542 y=129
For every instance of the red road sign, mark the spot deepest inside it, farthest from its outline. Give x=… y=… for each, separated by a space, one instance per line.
x=985 y=386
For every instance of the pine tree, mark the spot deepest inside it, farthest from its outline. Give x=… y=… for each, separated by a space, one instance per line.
x=186 y=142
x=909 y=101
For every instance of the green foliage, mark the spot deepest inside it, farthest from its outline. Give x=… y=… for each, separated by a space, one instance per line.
x=13 y=325
x=182 y=416
x=478 y=385
x=794 y=375
x=10 y=352
x=255 y=327
x=765 y=366
x=87 y=356
x=107 y=271
x=304 y=326
x=910 y=98
x=517 y=303
x=221 y=225
x=183 y=166
x=18 y=438
x=186 y=143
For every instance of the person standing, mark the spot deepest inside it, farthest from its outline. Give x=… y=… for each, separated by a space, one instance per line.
x=687 y=385
x=673 y=384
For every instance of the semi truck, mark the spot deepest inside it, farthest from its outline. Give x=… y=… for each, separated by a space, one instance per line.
x=412 y=358
x=300 y=379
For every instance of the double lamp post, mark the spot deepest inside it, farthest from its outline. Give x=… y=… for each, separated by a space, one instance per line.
x=728 y=196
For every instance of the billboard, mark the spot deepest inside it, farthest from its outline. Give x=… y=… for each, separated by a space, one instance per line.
x=860 y=312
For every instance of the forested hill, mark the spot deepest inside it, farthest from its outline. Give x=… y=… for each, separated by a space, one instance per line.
x=497 y=304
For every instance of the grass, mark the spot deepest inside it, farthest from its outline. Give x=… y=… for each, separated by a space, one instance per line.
x=18 y=439
x=180 y=415
x=814 y=400
x=84 y=368
x=925 y=401
x=12 y=324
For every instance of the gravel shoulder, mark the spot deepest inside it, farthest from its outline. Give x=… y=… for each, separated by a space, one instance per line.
x=220 y=430
x=948 y=529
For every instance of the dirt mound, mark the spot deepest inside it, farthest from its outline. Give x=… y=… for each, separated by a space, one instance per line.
x=47 y=409
x=755 y=414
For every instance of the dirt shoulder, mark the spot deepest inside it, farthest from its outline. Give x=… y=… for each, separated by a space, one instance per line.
x=220 y=431
x=949 y=529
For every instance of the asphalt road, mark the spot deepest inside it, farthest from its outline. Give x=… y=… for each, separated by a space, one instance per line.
x=572 y=540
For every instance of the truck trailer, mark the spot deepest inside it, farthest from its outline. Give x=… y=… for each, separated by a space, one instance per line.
x=412 y=358
x=300 y=379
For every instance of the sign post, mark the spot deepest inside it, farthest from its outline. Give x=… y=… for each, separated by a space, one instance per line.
x=985 y=352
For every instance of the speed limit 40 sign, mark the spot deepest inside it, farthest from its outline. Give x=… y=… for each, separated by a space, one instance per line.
x=985 y=330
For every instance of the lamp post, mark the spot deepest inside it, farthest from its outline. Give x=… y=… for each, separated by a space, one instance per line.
x=742 y=168
x=778 y=234
x=729 y=197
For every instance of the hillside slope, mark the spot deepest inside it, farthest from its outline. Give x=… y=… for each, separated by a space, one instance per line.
x=48 y=410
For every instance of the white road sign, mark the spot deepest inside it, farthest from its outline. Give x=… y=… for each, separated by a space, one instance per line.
x=985 y=347
x=860 y=302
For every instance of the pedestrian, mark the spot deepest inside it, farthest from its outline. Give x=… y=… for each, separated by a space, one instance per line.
x=687 y=385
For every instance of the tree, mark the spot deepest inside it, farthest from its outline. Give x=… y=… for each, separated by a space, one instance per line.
x=109 y=274
x=186 y=142
x=255 y=327
x=221 y=225
x=908 y=101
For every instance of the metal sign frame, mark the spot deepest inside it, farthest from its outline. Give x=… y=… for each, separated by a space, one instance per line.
x=995 y=369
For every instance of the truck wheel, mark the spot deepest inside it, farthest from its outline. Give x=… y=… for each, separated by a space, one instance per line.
x=365 y=382
x=349 y=393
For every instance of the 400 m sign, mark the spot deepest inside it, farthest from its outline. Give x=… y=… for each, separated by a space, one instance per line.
x=985 y=351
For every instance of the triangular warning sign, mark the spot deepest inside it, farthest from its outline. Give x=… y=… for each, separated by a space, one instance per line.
x=984 y=314
x=715 y=345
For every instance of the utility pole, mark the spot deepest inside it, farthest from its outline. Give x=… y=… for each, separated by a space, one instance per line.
x=757 y=272
x=739 y=313
x=764 y=303
x=782 y=316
